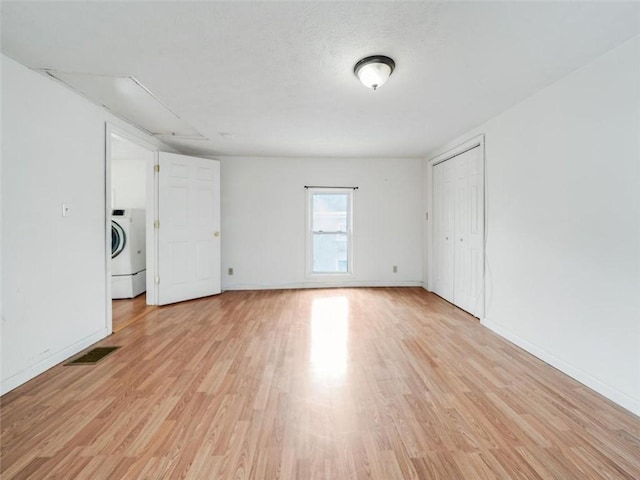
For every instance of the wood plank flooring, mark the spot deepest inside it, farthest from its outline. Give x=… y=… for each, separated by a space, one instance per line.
x=314 y=384
x=130 y=310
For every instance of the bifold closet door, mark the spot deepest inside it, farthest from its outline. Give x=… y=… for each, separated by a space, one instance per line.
x=459 y=230
x=469 y=231
x=443 y=176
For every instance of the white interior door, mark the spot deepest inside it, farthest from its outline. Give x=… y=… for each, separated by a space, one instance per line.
x=459 y=230
x=189 y=228
x=444 y=229
x=475 y=232
x=438 y=171
x=462 y=270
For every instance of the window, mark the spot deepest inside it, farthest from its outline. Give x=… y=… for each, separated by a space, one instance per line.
x=329 y=233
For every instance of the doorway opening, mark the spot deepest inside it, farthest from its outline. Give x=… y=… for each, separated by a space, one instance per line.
x=131 y=201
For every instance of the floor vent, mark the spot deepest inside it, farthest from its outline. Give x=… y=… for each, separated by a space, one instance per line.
x=92 y=356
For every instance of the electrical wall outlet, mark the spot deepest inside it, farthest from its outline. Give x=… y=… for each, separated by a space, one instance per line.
x=230 y=271
x=395 y=269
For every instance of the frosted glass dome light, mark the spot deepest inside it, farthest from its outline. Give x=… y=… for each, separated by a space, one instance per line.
x=374 y=71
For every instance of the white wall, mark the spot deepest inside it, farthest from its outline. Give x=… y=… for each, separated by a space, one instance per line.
x=264 y=212
x=53 y=272
x=130 y=169
x=1 y=226
x=563 y=248
x=129 y=182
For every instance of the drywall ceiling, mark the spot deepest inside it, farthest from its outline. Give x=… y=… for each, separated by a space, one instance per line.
x=276 y=78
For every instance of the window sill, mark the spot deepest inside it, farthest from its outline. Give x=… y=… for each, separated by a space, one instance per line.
x=329 y=276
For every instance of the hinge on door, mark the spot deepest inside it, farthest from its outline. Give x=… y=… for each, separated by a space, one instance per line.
x=156 y=224
x=156 y=168
x=427 y=216
x=157 y=280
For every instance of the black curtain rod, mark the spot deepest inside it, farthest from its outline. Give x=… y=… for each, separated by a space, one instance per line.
x=323 y=186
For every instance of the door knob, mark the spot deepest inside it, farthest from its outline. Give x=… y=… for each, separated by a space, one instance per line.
x=217 y=234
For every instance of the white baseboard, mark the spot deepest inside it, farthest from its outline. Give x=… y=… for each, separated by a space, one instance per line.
x=332 y=284
x=32 y=371
x=621 y=398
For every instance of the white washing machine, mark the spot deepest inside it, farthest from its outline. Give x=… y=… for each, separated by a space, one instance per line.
x=128 y=253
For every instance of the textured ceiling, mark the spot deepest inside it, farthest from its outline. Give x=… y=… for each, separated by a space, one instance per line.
x=276 y=78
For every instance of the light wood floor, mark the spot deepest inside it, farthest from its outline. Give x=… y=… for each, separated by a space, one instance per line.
x=130 y=310
x=308 y=384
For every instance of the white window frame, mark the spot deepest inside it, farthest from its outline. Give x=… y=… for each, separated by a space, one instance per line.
x=350 y=193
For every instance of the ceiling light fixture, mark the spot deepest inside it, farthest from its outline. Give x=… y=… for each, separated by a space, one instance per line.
x=374 y=71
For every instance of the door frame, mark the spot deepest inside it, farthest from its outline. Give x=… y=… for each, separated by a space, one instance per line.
x=476 y=141
x=151 y=215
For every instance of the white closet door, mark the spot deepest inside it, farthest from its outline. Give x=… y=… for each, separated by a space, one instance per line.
x=189 y=231
x=438 y=173
x=444 y=229
x=461 y=216
x=459 y=230
x=475 y=232
x=438 y=177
